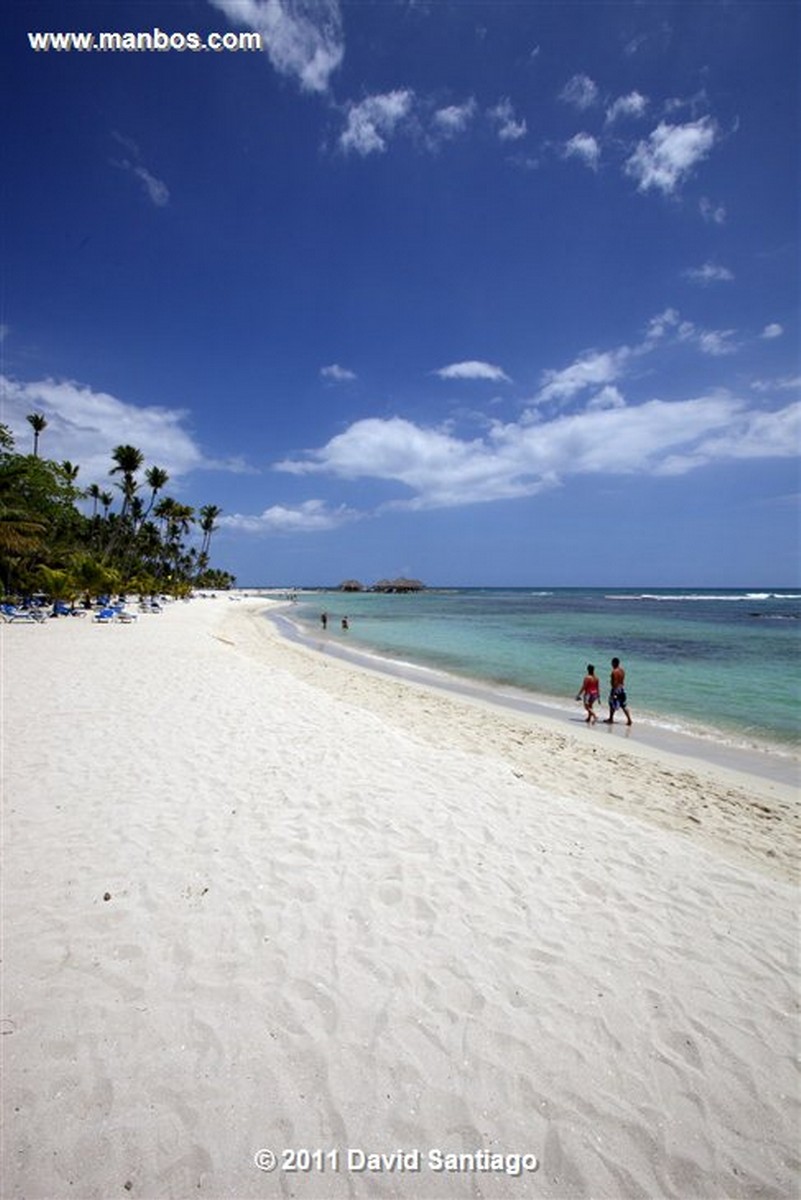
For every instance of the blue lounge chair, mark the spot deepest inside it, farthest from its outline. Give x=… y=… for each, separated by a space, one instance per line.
x=10 y=612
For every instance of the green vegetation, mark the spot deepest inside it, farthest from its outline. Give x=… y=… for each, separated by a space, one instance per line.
x=49 y=544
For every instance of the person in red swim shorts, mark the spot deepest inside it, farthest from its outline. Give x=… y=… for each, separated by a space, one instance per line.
x=590 y=693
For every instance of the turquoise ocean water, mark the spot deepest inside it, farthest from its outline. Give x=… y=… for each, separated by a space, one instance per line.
x=720 y=664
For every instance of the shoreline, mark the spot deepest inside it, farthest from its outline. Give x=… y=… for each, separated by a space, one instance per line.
x=257 y=898
x=770 y=760
x=731 y=808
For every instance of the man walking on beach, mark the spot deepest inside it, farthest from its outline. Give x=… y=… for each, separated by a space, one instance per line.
x=617 y=693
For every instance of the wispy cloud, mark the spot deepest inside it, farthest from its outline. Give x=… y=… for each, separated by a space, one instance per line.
x=584 y=147
x=709 y=273
x=312 y=516
x=337 y=374
x=632 y=105
x=669 y=324
x=510 y=129
x=454 y=119
x=303 y=38
x=714 y=214
x=785 y=383
x=592 y=369
x=372 y=121
x=84 y=426
x=716 y=342
x=155 y=189
x=472 y=369
x=773 y=330
x=670 y=153
x=580 y=91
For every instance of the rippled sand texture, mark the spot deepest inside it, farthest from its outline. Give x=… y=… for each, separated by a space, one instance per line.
x=249 y=903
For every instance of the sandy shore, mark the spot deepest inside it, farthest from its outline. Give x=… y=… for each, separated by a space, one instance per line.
x=257 y=898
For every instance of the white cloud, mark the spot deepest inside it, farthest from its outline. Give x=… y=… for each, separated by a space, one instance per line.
x=715 y=342
x=786 y=383
x=580 y=91
x=709 y=273
x=634 y=45
x=670 y=153
x=713 y=213
x=374 y=119
x=155 y=189
x=509 y=128
x=472 y=370
x=751 y=434
x=337 y=374
x=773 y=330
x=632 y=105
x=438 y=468
x=303 y=38
x=312 y=516
x=84 y=426
x=661 y=325
x=584 y=147
x=608 y=397
x=519 y=459
x=454 y=119
x=590 y=370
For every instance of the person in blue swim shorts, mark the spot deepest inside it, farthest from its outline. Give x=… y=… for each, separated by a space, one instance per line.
x=617 y=693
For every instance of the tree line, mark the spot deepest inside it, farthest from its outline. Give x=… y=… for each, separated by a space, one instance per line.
x=134 y=539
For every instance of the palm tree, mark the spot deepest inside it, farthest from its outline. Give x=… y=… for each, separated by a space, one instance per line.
x=106 y=499
x=70 y=471
x=38 y=423
x=157 y=480
x=208 y=515
x=128 y=460
x=93 y=492
x=176 y=519
x=181 y=518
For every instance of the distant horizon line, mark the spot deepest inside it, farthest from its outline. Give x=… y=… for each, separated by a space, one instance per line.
x=751 y=589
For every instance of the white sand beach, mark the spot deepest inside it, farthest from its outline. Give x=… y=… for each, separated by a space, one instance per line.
x=258 y=899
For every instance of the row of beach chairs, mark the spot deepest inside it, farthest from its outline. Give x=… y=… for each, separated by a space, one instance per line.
x=105 y=615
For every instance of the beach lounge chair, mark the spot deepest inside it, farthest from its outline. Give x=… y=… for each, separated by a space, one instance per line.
x=10 y=612
x=62 y=609
x=105 y=615
x=114 y=612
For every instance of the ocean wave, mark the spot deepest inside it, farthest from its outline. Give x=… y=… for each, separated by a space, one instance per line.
x=677 y=597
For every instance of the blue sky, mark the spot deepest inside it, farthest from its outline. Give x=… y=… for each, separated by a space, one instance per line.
x=481 y=293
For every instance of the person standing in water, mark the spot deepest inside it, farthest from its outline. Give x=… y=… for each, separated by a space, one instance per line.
x=590 y=693
x=617 y=693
